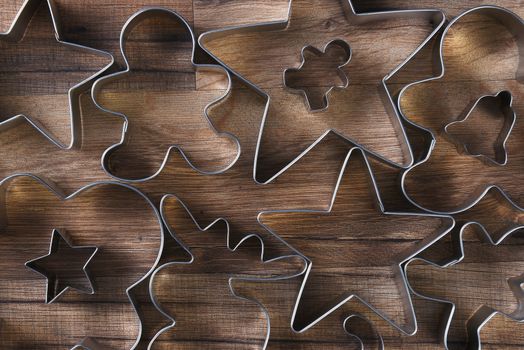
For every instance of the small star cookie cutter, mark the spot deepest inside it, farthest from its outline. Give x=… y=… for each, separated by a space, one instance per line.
x=58 y=238
x=88 y=343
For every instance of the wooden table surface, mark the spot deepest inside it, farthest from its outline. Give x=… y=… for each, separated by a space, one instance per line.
x=164 y=99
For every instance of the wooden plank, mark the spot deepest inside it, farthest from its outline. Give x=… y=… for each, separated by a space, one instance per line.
x=165 y=91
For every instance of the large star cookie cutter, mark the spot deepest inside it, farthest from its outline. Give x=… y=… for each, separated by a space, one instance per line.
x=265 y=67
x=355 y=223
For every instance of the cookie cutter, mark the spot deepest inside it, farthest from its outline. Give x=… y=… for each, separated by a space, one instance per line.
x=510 y=117
x=437 y=17
x=351 y=325
x=342 y=76
x=442 y=231
x=514 y=24
x=484 y=314
x=89 y=343
x=15 y=34
x=57 y=238
x=228 y=246
x=374 y=341
x=131 y=23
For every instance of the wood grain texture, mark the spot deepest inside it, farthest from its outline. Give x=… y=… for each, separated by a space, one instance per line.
x=353 y=110
x=117 y=220
x=466 y=64
x=164 y=100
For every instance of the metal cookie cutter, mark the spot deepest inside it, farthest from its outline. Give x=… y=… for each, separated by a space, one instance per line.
x=501 y=154
x=208 y=259
x=128 y=27
x=484 y=313
x=506 y=106
x=361 y=328
x=87 y=343
x=15 y=34
x=299 y=238
x=54 y=289
x=352 y=18
x=341 y=74
x=276 y=297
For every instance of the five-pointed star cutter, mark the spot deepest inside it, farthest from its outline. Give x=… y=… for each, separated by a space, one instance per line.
x=55 y=287
x=436 y=227
x=16 y=33
x=353 y=18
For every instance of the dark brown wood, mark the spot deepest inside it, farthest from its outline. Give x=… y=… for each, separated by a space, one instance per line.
x=116 y=220
x=164 y=101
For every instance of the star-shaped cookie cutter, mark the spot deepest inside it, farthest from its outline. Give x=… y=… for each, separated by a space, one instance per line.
x=446 y=226
x=277 y=303
x=54 y=189
x=15 y=33
x=437 y=18
x=57 y=238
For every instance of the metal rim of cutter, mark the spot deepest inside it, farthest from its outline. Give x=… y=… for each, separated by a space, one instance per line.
x=437 y=17
x=15 y=33
x=515 y=25
x=485 y=313
x=131 y=23
x=444 y=229
x=64 y=197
